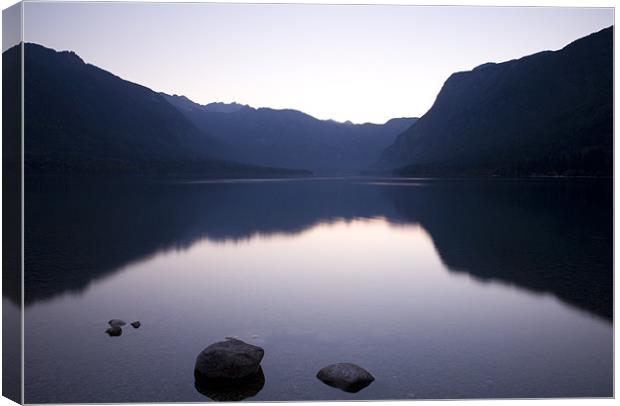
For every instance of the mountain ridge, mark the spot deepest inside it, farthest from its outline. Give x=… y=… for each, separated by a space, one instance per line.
x=182 y=101
x=291 y=138
x=81 y=119
x=549 y=113
x=545 y=114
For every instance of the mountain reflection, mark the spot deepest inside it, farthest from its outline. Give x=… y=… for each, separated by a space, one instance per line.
x=545 y=236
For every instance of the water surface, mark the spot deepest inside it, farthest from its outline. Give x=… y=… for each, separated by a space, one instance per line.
x=442 y=289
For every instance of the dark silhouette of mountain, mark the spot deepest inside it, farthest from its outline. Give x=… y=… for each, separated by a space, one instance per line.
x=550 y=113
x=82 y=119
x=545 y=236
x=290 y=138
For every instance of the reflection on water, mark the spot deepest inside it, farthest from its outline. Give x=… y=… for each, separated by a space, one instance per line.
x=440 y=289
x=226 y=390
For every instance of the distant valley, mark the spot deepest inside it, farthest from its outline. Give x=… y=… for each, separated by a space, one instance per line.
x=290 y=138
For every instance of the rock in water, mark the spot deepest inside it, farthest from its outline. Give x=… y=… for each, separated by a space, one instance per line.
x=230 y=359
x=114 y=331
x=348 y=377
x=116 y=323
x=135 y=324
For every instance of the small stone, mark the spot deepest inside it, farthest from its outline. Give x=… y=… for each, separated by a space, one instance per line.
x=114 y=331
x=230 y=359
x=348 y=377
x=116 y=323
x=135 y=324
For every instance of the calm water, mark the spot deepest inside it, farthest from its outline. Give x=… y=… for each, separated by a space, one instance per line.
x=441 y=289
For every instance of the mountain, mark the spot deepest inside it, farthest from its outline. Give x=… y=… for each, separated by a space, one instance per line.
x=290 y=138
x=550 y=113
x=81 y=119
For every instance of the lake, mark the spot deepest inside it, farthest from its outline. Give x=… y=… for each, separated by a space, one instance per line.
x=440 y=288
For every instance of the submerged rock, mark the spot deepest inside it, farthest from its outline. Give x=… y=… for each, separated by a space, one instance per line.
x=135 y=324
x=230 y=390
x=230 y=359
x=116 y=323
x=348 y=377
x=114 y=331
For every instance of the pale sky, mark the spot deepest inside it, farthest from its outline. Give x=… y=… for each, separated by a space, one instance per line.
x=342 y=62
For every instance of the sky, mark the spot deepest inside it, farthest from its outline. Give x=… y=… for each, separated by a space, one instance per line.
x=343 y=62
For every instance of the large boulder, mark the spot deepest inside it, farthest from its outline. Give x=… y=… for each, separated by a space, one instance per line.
x=230 y=359
x=348 y=377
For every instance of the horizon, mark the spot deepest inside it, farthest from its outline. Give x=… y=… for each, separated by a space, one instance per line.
x=235 y=102
x=368 y=64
